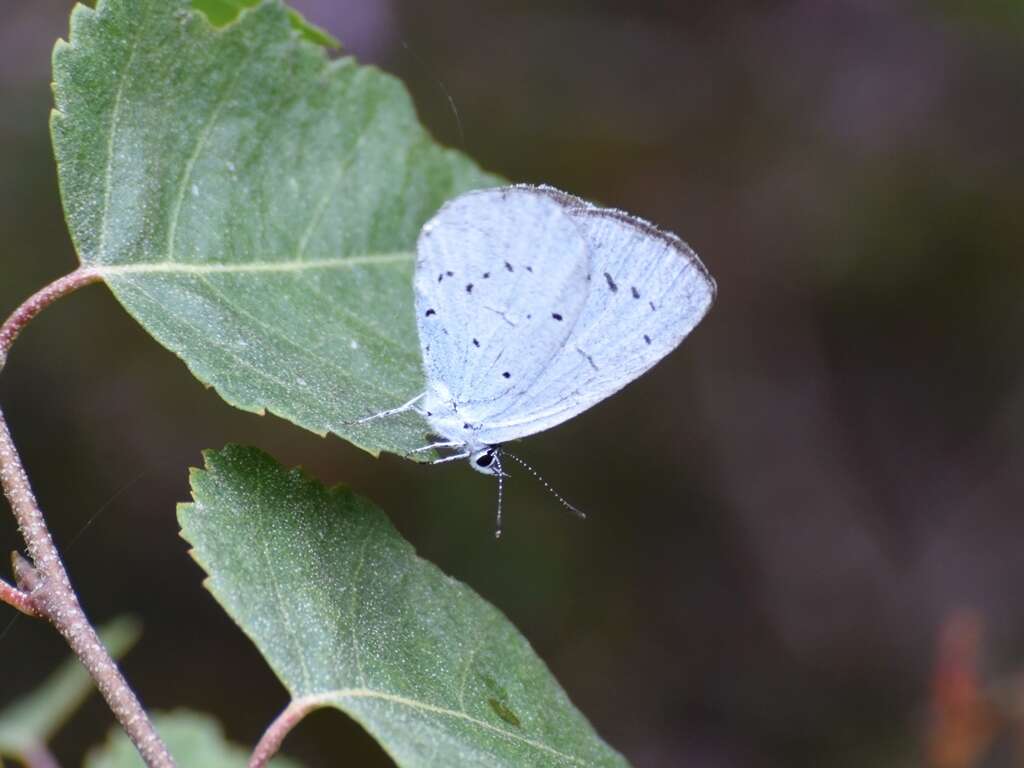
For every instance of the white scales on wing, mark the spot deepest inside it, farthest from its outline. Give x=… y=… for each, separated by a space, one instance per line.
x=533 y=305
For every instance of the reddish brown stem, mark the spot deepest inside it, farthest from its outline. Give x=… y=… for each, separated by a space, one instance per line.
x=272 y=738
x=39 y=301
x=51 y=594
x=15 y=598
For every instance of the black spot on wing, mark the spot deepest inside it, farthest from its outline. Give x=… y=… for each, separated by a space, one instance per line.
x=647 y=338
x=469 y=287
x=449 y=273
x=476 y=343
x=529 y=269
x=636 y=293
x=429 y=313
x=556 y=316
x=651 y=304
x=506 y=375
x=486 y=275
x=611 y=283
x=509 y=267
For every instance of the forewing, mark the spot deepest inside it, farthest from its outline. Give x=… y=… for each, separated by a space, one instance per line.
x=501 y=278
x=647 y=291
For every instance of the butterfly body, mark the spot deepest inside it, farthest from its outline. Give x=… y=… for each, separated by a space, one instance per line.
x=533 y=305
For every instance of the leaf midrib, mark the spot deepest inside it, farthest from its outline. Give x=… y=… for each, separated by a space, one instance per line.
x=184 y=267
x=328 y=698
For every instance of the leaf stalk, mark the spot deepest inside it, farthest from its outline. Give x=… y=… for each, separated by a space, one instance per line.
x=39 y=301
x=272 y=738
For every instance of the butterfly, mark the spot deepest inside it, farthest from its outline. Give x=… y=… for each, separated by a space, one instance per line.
x=533 y=305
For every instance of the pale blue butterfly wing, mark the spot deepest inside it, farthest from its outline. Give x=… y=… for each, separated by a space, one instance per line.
x=646 y=291
x=501 y=278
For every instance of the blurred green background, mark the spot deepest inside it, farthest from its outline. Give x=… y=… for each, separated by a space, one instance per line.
x=783 y=514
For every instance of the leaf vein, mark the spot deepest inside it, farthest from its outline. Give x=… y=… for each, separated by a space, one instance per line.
x=327 y=698
x=288 y=624
x=321 y=207
x=478 y=641
x=355 y=603
x=115 y=114
x=181 y=267
x=204 y=135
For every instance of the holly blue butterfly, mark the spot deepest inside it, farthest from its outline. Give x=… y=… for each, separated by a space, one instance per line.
x=532 y=305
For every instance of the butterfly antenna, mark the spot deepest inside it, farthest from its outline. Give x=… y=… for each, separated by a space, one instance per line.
x=544 y=482
x=501 y=493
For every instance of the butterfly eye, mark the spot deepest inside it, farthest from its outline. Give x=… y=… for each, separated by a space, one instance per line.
x=485 y=460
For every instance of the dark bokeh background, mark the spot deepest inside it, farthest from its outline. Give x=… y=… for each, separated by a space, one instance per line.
x=784 y=513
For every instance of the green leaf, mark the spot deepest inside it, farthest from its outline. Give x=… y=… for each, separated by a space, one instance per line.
x=33 y=720
x=196 y=741
x=349 y=617
x=223 y=12
x=254 y=205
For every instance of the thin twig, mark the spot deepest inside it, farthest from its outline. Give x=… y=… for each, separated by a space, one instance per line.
x=15 y=598
x=53 y=596
x=272 y=738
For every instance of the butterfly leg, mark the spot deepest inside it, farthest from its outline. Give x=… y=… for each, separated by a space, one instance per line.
x=432 y=446
x=443 y=459
x=409 y=406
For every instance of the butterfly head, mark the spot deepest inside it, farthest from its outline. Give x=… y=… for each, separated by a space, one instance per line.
x=487 y=460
